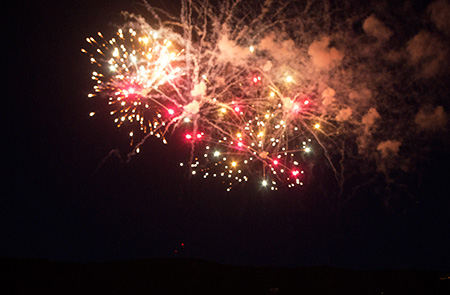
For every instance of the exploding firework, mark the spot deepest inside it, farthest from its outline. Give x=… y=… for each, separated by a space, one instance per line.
x=140 y=74
x=261 y=88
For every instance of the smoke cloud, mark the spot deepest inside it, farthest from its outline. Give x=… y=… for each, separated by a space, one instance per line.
x=374 y=27
x=427 y=53
x=431 y=119
x=328 y=96
x=344 y=114
x=199 y=89
x=231 y=52
x=389 y=148
x=322 y=56
x=440 y=15
x=281 y=50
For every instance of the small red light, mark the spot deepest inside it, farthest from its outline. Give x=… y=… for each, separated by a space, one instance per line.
x=255 y=80
x=188 y=136
x=306 y=102
x=295 y=172
x=275 y=162
x=199 y=135
x=170 y=111
x=237 y=109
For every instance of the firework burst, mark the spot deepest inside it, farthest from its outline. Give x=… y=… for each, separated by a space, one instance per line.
x=260 y=88
x=140 y=74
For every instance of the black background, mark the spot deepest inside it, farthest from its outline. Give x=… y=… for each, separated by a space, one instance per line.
x=58 y=205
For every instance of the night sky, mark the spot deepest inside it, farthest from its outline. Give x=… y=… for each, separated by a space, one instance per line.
x=59 y=204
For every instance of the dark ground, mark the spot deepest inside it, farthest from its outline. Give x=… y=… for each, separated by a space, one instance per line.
x=192 y=276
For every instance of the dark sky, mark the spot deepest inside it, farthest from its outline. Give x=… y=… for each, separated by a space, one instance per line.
x=56 y=205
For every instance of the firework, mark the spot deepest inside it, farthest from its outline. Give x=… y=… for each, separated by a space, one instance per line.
x=261 y=88
x=140 y=74
x=241 y=119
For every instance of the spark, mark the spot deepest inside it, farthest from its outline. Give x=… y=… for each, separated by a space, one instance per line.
x=139 y=74
x=226 y=84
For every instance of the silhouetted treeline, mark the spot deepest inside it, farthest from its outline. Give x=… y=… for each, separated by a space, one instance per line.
x=192 y=276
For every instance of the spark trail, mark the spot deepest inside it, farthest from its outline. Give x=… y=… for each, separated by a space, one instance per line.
x=261 y=89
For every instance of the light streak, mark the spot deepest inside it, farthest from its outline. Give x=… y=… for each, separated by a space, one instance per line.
x=246 y=95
